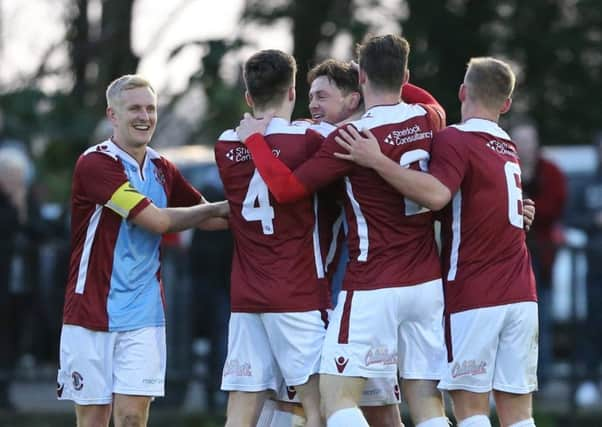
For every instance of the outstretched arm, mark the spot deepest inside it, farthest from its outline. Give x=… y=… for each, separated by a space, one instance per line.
x=216 y=222
x=163 y=220
x=421 y=187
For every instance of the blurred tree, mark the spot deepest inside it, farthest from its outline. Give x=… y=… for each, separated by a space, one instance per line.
x=314 y=26
x=98 y=57
x=59 y=125
x=313 y=22
x=555 y=44
x=558 y=45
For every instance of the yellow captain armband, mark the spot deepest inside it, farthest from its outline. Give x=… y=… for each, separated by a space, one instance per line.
x=124 y=199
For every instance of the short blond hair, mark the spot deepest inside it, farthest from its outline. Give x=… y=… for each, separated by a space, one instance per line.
x=123 y=83
x=490 y=81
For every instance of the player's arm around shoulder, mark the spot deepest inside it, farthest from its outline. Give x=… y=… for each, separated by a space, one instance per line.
x=363 y=149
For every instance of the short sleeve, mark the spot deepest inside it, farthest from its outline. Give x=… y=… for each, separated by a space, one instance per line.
x=182 y=193
x=102 y=181
x=449 y=159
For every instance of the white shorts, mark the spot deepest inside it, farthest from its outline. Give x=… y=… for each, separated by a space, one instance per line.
x=374 y=333
x=377 y=392
x=95 y=364
x=493 y=348
x=265 y=349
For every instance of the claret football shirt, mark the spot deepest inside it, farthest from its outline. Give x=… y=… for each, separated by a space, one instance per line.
x=114 y=275
x=485 y=257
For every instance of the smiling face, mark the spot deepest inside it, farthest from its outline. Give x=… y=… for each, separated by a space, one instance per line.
x=133 y=115
x=328 y=103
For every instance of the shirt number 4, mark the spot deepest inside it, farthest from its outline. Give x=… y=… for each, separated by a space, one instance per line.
x=256 y=205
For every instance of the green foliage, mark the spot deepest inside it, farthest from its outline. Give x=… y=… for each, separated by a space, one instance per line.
x=55 y=128
x=556 y=44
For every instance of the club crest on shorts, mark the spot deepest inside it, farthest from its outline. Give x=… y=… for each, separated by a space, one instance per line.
x=59 y=389
x=78 y=380
x=341 y=363
x=291 y=392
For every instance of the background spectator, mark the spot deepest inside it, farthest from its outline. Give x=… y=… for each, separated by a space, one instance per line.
x=545 y=183
x=588 y=217
x=13 y=216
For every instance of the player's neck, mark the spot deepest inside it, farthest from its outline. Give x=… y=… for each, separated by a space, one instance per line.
x=373 y=99
x=280 y=112
x=473 y=111
x=137 y=152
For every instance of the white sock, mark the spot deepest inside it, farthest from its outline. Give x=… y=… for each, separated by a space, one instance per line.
x=347 y=417
x=434 y=422
x=475 y=421
x=267 y=414
x=524 y=423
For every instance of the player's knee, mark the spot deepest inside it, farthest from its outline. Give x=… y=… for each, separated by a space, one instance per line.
x=242 y=418
x=93 y=422
x=337 y=395
x=131 y=420
x=93 y=416
x=513 y=409
x=329 y=401
x=467 y=404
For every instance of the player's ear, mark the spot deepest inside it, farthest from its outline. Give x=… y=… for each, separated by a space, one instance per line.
x=355 y=99
x=406 y=76
x=361 y=77
x=291 y=94
x=248 y=99
x=506 y=106
x=111 y=116
x=462 y=93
